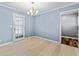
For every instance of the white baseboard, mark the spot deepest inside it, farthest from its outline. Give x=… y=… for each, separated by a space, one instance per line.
x=4 y=44
x=30 y=37
x=46 y=39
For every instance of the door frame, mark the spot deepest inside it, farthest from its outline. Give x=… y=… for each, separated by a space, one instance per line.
x=68 y=11
x=13 y=27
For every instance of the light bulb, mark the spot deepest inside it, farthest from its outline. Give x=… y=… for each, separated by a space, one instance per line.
x=30 y=10
x=28 y=13
x=36 y=11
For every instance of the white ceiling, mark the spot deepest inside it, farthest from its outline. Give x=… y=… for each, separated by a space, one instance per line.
x=42 y=6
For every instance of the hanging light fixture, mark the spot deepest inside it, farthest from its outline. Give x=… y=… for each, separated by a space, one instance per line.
x=33 y=10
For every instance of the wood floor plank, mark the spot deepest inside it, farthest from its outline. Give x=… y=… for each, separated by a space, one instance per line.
x=35 y=46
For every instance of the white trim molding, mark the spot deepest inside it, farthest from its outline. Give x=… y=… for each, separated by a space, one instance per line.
x=27 y=38
x=56 y=9
x=14 y=9
x=46 y=39
x=4 y=44
x=67 y=12
x=41 y=12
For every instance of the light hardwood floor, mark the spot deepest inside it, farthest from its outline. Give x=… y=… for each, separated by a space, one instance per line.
x=35 y=46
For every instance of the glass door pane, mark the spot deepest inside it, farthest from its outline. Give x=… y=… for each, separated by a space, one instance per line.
x=19 y=26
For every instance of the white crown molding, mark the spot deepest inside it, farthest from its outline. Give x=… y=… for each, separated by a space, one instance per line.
x=69 y=11
x=41 y=13
x=56 y=9
x=2 y=5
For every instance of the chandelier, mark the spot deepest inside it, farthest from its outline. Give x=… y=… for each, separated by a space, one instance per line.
x=33 y=10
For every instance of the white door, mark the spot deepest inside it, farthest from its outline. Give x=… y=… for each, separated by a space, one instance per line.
x=18 y=27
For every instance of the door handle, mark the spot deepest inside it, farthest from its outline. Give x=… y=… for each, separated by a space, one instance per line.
x=14 y=29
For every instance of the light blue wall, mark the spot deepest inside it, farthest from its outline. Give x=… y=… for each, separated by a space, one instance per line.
x=29 y=26
x=45 y=25
x=48 y=25
x=5 y=22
